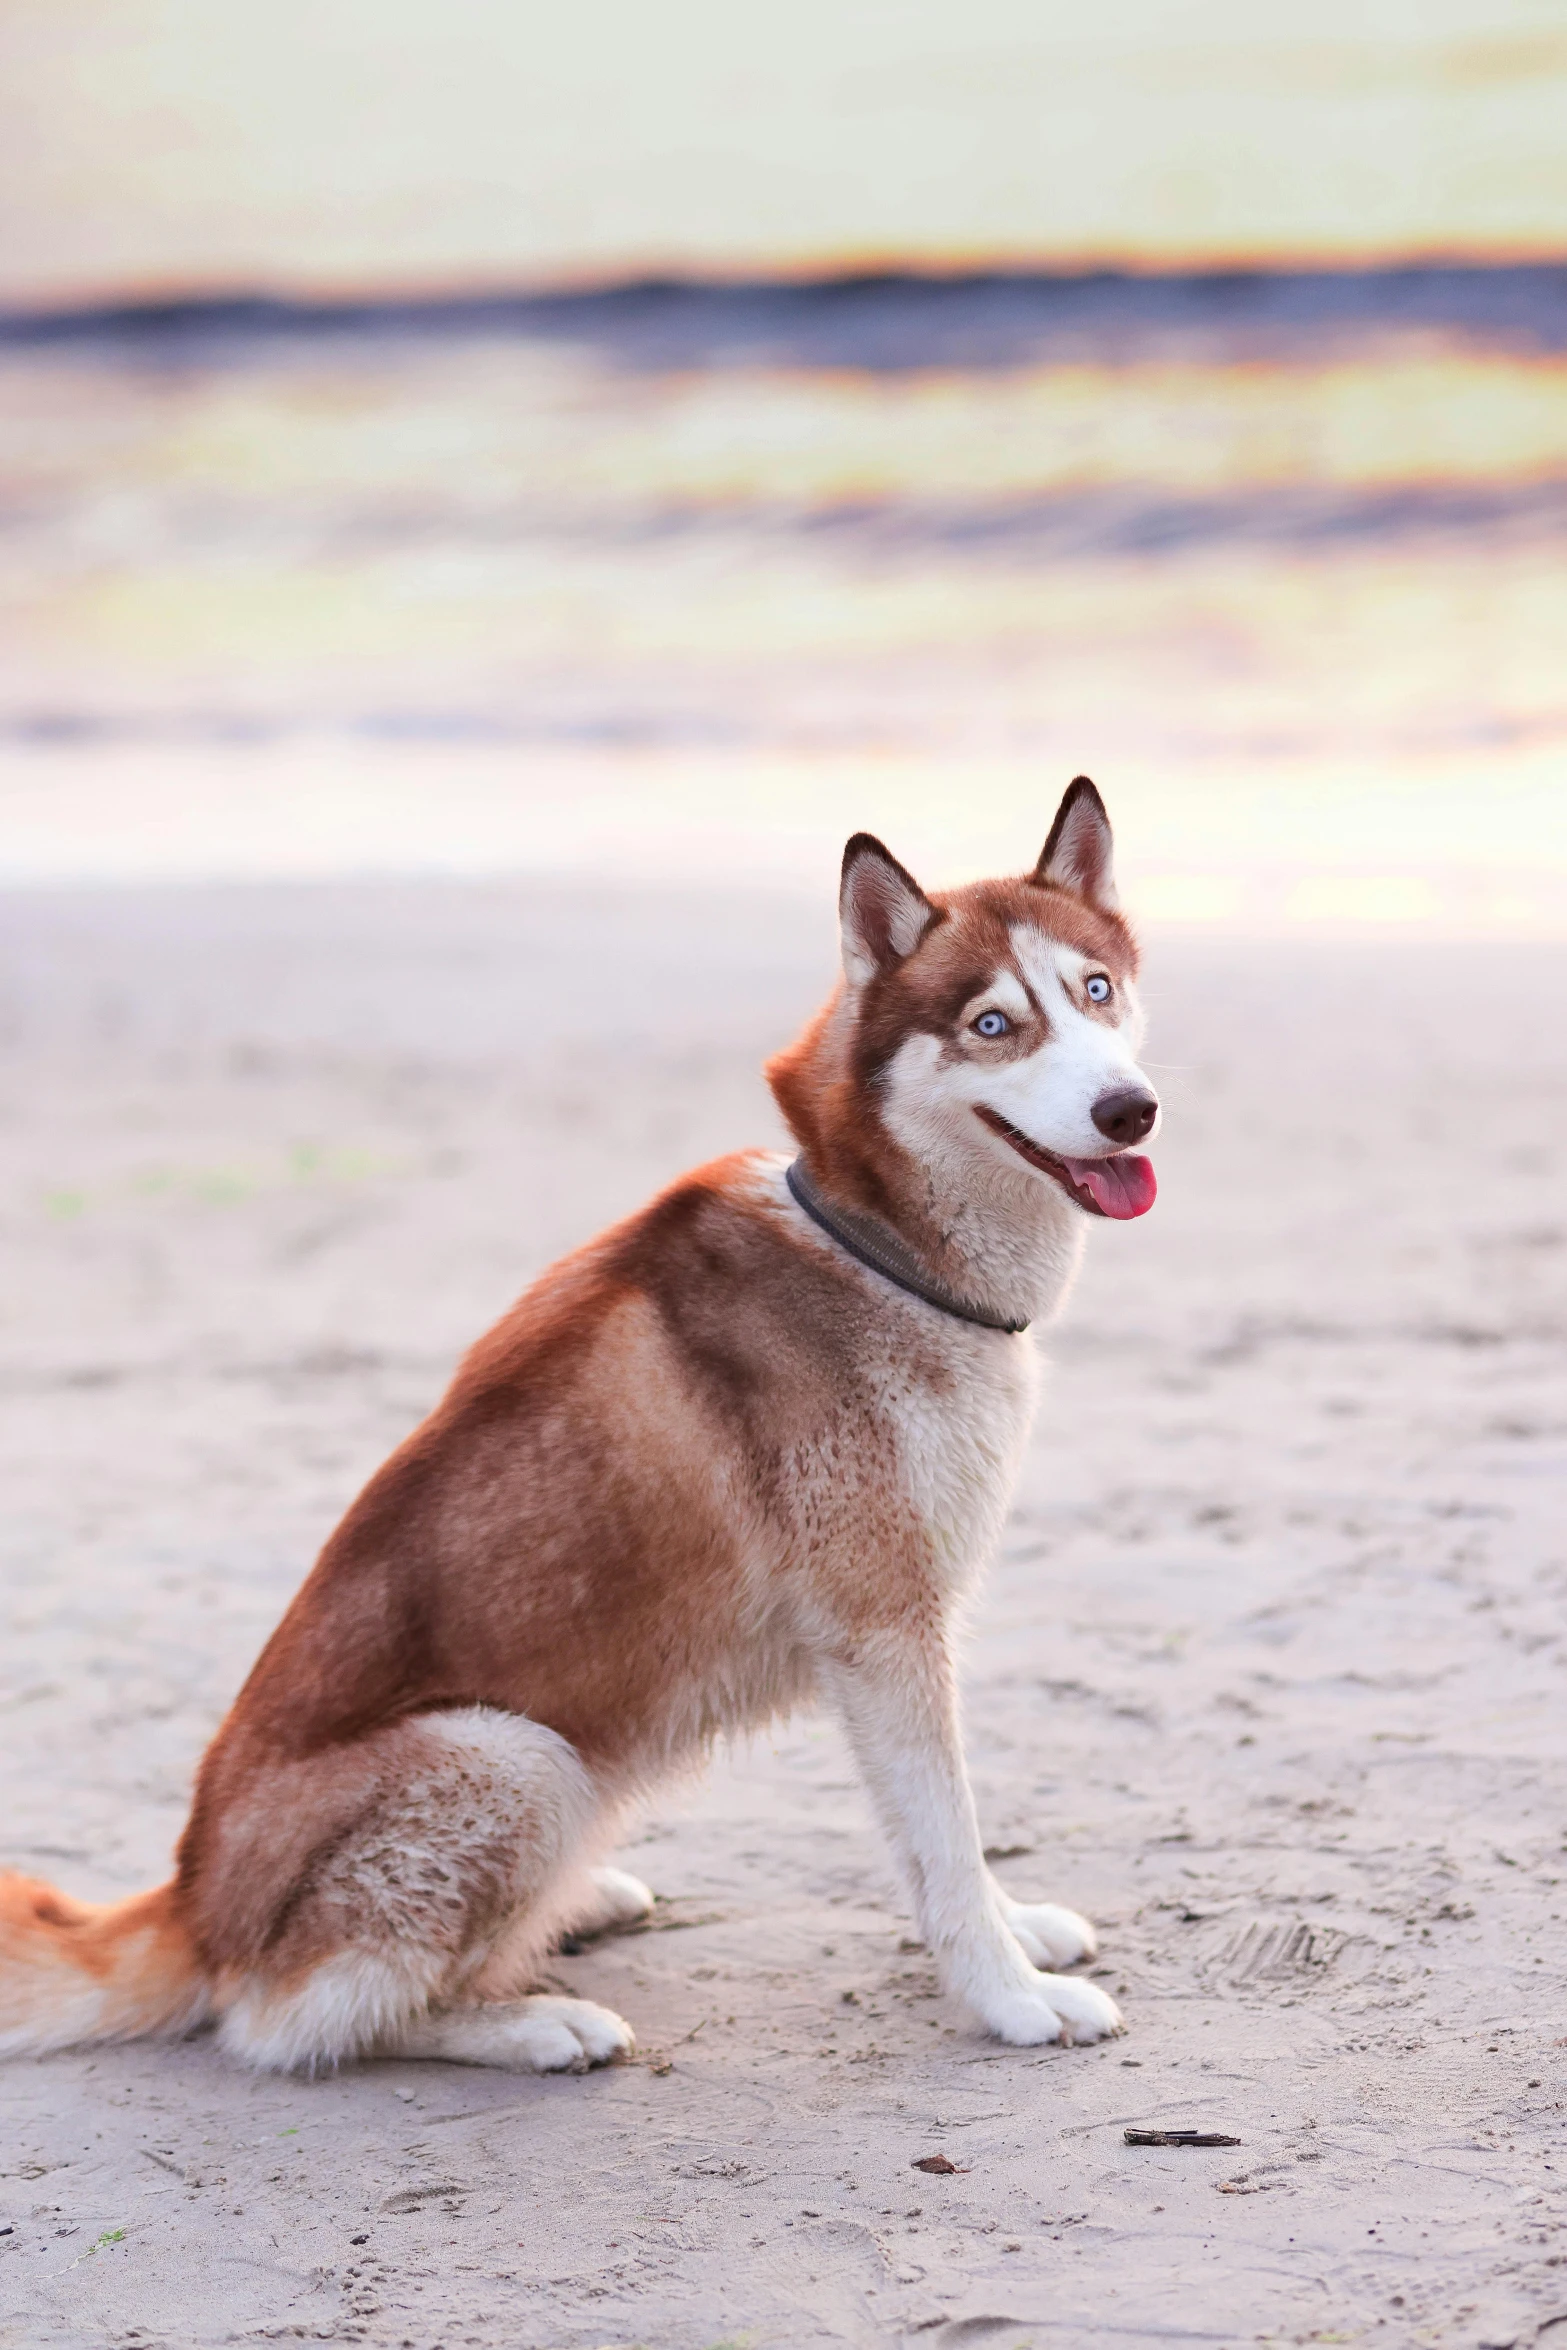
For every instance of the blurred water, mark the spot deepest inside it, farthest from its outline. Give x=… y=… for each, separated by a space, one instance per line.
x=711 y=574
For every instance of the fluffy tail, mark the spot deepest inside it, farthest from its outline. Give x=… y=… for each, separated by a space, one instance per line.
x=72 y=1971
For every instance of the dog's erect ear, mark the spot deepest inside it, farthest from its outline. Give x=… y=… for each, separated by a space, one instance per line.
x=883 y=910
x=1079 y=855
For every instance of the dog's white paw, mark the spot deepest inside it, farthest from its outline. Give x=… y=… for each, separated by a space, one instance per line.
x=1059 y=2007
x=1086 y=2012
x=1051 y=1937
x=614 y=1899
x=1024 y=2019
x=538 y=2035
x=596 y=2034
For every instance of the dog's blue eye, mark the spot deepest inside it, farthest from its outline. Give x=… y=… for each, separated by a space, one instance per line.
x=1099 y=989
x=992 y=1024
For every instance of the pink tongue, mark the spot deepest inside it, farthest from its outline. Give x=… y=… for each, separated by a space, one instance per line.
x=1118 y=1187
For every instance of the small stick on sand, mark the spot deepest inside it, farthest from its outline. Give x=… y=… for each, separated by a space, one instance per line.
x=1178 y=2138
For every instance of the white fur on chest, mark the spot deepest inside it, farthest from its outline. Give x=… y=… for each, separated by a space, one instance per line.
x=957 y=1398
x=960 y=1445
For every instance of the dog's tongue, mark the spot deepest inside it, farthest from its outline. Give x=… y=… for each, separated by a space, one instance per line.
x=1118 y=1187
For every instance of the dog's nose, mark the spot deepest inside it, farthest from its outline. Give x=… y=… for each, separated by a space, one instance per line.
x=1127 y=1115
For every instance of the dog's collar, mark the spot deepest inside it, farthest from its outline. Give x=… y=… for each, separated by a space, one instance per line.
x=885 y=1253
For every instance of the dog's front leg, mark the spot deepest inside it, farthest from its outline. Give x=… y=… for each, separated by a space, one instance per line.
x=896 y=1696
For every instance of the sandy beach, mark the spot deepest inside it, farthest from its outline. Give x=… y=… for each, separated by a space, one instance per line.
x=1268 y=1677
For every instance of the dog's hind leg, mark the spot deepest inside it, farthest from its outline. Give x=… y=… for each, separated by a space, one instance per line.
x=397 y=1893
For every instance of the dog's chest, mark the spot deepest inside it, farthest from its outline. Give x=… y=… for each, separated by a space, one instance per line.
x=960 y=1439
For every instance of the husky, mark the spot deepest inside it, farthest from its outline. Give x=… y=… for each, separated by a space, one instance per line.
x=749 y=1449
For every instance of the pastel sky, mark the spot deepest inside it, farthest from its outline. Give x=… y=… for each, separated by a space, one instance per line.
x=346 y=143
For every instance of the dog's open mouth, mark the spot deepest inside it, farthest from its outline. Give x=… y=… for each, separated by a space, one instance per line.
x=1120 y=1186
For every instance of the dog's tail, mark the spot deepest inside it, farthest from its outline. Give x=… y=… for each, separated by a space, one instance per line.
x=73 y=1971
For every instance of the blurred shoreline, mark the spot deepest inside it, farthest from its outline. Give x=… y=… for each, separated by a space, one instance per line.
x=884 y=317
x=695 y=578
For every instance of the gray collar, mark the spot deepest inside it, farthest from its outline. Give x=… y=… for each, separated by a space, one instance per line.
x=866 y=1238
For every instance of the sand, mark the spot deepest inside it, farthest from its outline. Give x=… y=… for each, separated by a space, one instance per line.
x=1269 y=1677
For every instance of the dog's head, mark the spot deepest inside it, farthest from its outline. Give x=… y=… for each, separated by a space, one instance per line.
x=995 y=1025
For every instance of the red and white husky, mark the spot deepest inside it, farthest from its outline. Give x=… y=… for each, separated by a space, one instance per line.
x=750 y=1448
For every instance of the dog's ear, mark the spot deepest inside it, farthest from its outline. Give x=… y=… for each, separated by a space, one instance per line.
x=1079 y=855
x=883 y=911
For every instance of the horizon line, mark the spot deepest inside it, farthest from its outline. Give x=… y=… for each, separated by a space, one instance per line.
x=263 y=304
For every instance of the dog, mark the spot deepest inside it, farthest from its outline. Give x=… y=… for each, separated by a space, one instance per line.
x=748 y=1449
